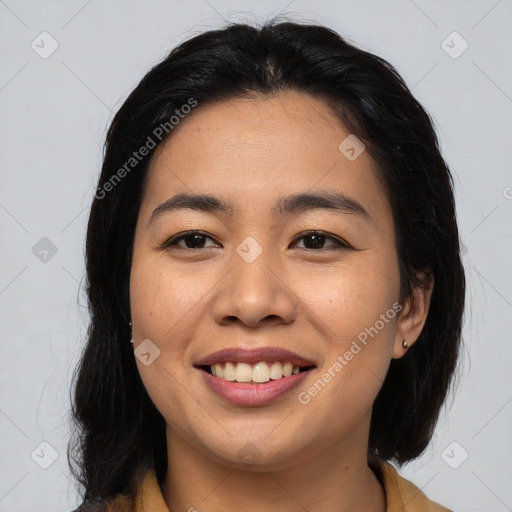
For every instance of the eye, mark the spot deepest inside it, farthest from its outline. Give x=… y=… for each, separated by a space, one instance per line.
x=193 y=240
x=196 y=240
x=318 y=238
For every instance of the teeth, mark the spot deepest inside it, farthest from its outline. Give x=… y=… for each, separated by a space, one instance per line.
x=219 y=372
x=258 y=373
x=276 y=370
x=229 y=371
x=261 y=372
x=243 y=372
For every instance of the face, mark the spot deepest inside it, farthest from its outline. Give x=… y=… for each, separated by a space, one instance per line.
x=269 y=274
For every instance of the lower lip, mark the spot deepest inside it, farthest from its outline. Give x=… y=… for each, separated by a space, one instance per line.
x=243 y=394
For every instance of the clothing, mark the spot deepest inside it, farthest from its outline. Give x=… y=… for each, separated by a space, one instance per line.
x=401 y=494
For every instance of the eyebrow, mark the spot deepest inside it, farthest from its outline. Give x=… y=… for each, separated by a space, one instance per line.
x=296 y=203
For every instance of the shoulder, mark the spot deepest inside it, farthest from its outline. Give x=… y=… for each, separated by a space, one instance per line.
x=119 y=503
x=146 y=497
x=401 y=494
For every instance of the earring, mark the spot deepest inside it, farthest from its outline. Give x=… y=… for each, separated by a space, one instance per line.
x=404 y=344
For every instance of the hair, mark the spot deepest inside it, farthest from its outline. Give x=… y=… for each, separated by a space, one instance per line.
x=118 y=432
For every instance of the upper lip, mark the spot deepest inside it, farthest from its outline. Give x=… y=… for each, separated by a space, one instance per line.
x=254 y=355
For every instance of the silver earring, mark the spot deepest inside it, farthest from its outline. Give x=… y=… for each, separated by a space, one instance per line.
x=404 y=344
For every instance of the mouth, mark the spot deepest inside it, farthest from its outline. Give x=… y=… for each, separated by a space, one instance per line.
x=258 y=373
x=254 y=377
x=247 y=392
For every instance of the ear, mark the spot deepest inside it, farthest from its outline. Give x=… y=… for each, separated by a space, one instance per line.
x=414 y=315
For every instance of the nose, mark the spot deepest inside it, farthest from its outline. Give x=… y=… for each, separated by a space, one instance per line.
x=254 y=292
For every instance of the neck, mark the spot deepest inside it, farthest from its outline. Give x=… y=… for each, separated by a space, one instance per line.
x=335 y=478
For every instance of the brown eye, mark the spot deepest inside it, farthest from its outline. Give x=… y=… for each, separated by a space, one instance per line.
x=314 y=240
x=192 y=240
x=317 y=240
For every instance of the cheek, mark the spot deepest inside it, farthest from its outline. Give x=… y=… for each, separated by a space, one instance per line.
x=352 y=295
x=361 y=330
x=357 y=307
x=165 y=301
x=169 y=307
x=166 y=307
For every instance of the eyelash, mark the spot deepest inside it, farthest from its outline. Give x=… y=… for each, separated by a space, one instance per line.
x=339 y=243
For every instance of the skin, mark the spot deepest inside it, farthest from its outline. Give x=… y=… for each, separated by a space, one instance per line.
x=313 y=300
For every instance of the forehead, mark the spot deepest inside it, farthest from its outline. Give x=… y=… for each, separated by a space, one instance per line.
x=256 y=130
x=256 y=149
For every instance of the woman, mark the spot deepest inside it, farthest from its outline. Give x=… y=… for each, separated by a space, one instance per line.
x=274 y=280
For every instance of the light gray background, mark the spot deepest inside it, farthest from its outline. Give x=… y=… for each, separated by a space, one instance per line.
x=54 y=113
